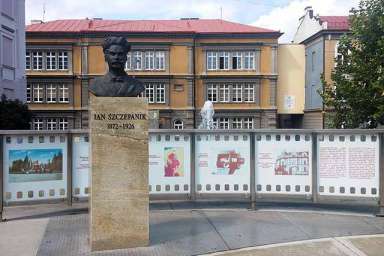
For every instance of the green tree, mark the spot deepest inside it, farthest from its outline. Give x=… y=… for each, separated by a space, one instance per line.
x=14 y=115
x=356 y=94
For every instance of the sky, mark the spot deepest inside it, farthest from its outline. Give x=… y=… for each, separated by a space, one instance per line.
x=282 y=15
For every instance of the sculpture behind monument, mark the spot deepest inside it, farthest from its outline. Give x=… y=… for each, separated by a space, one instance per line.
x=116 y=82
x=207 y=113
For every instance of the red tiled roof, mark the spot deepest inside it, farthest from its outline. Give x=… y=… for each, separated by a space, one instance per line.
x=336 y=22
x=199 y=26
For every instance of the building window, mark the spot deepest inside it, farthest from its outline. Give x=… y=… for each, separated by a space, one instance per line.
x=212 y=92
x=160 y=93
x=51 y=93
x=224 y=60
x=223 y=123
x=236 y=60
x=50 y=60
x=29 y=93
x=237 y=123
x=249 y=60
x=160 y=61
x=178 y=124
x=38 y=124
x=37 y=60
x=237 y=93
x=248 y=123
x=63 y=93
x=63 y=60
x=51 y=124
x=128 y=64
x=313 y=61
x=138 y=60
x=63 y=123
x=224 y=92
x=249 y=93
x=28 y=60
x=212 y=60
x=150 y=93
x=38 y=93
x=149 y=60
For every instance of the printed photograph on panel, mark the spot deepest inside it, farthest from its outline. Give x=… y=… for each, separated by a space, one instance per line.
x=35 y=165
x=292 y=163
x=228 y=163
x=174 y=162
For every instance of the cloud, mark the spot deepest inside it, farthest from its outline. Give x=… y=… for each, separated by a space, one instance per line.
x=286 y=18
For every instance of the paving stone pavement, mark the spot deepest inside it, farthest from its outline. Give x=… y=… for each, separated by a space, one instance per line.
x=201 y=231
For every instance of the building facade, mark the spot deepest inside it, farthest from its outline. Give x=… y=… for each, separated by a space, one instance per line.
x=182 y=63
x=320 y=35
x=12 y=48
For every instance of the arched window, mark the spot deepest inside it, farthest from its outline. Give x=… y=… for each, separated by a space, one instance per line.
x=178 y=124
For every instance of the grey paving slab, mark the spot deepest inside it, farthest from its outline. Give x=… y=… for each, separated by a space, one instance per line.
x=329 y=247
x=318 y=225
x=370 y=245
x=249 y=228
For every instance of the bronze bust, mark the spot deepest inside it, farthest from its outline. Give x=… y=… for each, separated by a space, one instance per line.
x=116 y=82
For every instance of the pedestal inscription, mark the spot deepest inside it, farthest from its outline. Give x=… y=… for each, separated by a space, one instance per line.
x=119 y=178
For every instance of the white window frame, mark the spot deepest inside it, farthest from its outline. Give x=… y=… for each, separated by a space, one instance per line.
x=224 y=123
x=160 y=60
x=224 y=94
x=29 y=93
x=237 y=123
x=63 y=123
x=51 y=124
x=225 y=57
x=149 y=60
x=248 y=123
x=38 y=124
x=138 y=60
x=237 y=93
x=63 y=60
x=212 y=60
x=213 y=92
x=160 y=93
x=51 y=93
x=128 y=64
x=63 y=93
x=239 y=60
x=249 y=60
x=37 y=58
x=50 y=60
x=178 y=124
x=150 y=92
x=38 y=93
x=249 y=92
x=28 y=62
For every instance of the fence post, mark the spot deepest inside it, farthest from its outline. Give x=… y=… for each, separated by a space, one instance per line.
x=381 y=175
x=69 y=168
x=253 y=171
x=314 y=168
x=1 y=178
x=193 y=169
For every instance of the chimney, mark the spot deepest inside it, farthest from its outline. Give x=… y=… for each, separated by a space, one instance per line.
x=33 y=22
x=309 y=10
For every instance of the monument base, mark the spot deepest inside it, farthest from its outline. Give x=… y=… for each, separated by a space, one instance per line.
x=119 y=202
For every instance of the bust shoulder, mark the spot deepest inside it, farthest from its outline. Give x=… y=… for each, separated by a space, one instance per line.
x=97 y=85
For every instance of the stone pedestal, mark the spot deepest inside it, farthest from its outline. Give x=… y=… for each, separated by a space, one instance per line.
x=119 y=203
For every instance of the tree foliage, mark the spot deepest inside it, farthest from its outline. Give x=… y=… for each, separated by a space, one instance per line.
x=357 y=91
x=14 y=115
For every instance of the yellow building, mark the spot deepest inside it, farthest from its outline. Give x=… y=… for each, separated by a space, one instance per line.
x=183 y=63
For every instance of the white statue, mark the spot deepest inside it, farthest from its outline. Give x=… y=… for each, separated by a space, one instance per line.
x=207 y=113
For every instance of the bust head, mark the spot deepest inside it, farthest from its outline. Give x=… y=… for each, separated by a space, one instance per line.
x=115 y=52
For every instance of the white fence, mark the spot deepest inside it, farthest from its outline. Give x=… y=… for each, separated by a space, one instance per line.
x=41 y=165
